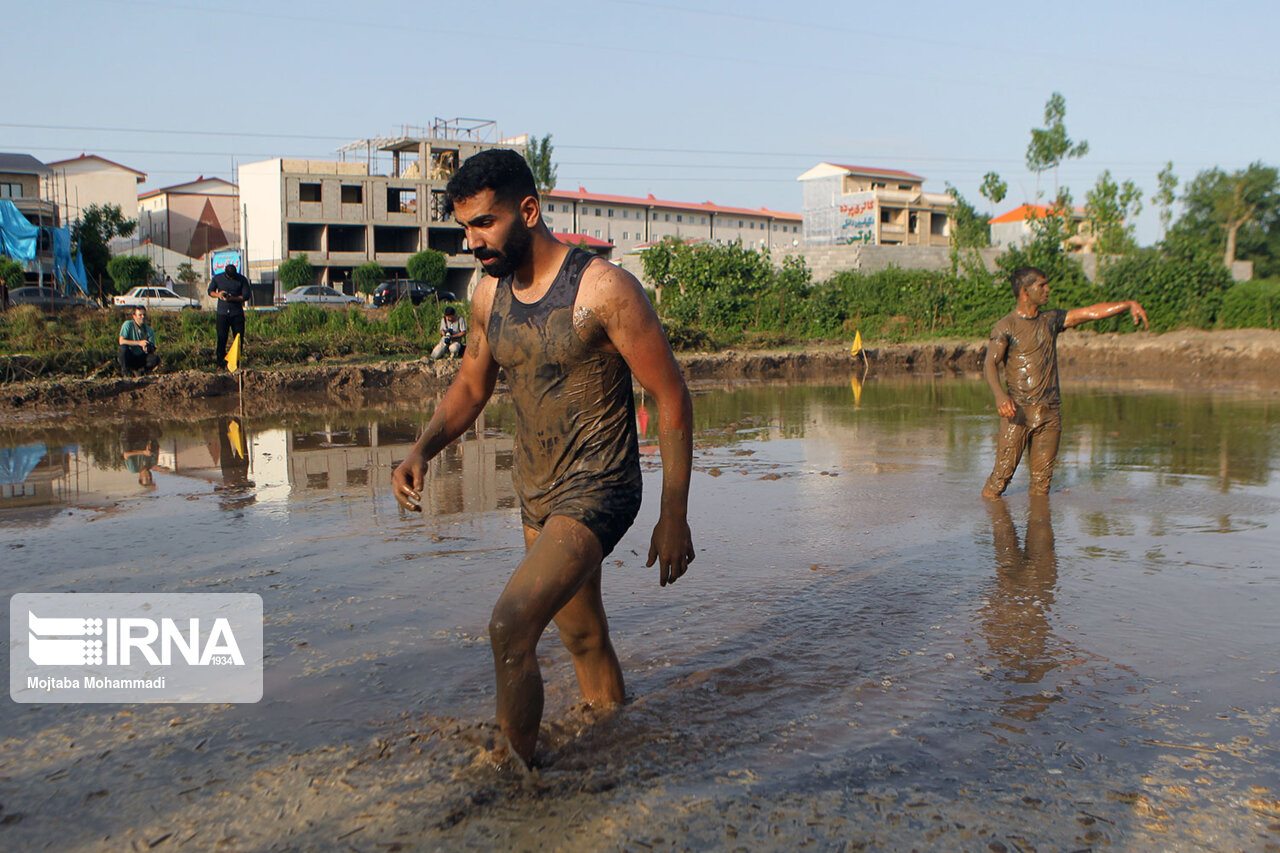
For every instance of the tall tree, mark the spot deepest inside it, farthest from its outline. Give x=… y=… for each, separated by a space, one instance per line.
x=538 y=154
x=92 y=231
x=993 y=188
x=969 y=229
x=1050 y=145
x=1234 y=201
x=1166 y=195
x=1109 y=206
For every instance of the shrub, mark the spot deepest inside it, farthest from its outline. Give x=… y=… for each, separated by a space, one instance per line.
x=1251 y=305
x=296 y=272
x=129 y=271
x=427 y=266
x=369 y=275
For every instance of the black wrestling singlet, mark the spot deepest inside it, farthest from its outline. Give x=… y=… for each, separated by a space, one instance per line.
x=576 y=449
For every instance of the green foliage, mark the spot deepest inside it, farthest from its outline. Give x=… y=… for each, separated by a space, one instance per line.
x=91 y=233
x=369 y=275
x=1251 y=305
x=129 y=271
x=1235 y=213
x=427 y=266
x=969 y=229
x=296 y=272
x=1166 y=195
x=1109 y=206
x=993 y=188
x=11 y=272
x=538 y=154
x=1050 y=145
x=301 y=318
x=1175 y=292
x=187 y=273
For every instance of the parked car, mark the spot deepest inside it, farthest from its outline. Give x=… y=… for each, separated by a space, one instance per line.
x=319 y=294
x=155 y=299
x=49 y=300
x=391 y=292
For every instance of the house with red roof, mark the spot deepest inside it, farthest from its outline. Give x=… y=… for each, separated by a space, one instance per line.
x=78 y=182
x=860 y=205
x=193 y=218
x=1014 y=228
x=632 y=222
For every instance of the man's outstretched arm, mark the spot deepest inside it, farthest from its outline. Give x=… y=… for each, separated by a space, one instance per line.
x=634 y=330
x=1102 y=310
x=458 y=410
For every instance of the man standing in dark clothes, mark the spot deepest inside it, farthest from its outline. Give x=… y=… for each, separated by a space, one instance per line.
x=1025 y=343
x=232 y=292
x=569 y=330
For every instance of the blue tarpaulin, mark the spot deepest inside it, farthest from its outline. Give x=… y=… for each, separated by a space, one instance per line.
x=17 y=235
x=65 y=266
x=17 y=463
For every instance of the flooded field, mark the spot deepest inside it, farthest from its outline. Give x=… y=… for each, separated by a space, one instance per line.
x=865 y=654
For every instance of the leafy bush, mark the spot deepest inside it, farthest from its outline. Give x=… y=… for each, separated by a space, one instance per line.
x=1175 y=292
x=1251 y=305
x=428 y=266
x=369 y=275
x=129 y=271
x=296 y=272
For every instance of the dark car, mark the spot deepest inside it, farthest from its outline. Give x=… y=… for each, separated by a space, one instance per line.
x=390 y=292
x=48 y=299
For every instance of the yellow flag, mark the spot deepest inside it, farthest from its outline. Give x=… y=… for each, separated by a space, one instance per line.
x=856 y=385
x=233 y=354
x=857 y=343
x=236 y=438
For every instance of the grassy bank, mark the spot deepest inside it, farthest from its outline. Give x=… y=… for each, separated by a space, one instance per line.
x=35 y=345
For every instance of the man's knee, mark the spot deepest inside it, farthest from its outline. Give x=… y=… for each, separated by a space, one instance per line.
x=512 y=634
x=582 y=640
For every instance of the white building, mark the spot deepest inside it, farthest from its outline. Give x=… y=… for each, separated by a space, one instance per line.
x=856 y=205
x=89 y=179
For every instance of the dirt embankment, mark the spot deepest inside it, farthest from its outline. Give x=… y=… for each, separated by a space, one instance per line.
x=1247 y=355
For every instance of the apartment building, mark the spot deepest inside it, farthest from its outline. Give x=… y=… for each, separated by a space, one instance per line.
x=76 y=183
x=630 y=222
x=20 y=179
x=856 y=205
x=344 y=213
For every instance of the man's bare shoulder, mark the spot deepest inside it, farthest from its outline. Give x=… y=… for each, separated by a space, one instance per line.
x=482 y=300
x=605 y=284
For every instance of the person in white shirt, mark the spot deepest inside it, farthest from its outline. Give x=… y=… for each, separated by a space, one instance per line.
x=453 y=334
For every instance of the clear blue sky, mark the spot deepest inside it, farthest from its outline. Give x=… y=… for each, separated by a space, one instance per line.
x=693 y=100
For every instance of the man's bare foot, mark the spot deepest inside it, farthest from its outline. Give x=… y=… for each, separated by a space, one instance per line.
x=990 y=495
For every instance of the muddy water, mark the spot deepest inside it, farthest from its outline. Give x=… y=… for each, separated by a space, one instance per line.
x=865 y=654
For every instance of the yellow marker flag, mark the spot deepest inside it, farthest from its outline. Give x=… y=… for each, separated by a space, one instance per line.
x=857 y=343
x=856 y=385
x=236 y=439
x=233 y=354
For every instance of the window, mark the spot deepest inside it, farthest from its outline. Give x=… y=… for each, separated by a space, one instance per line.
x=10 y=190
x=308 y=192
x=655 y=216
x=611 y=212
x=597 y=232
x=625 y=213
x=668 y=217
x=352 y=194
x=679 y=218
x=597 y=211
x=625 y=236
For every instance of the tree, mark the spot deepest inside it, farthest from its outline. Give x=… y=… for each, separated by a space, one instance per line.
x=993 y=188
x=1245 y=200
x=538 y=155
x=187 y=273
x=1050 y=145
x=369 y=275
x=428 y=266
x=1166 y=195
x=129 y=271
x=969 y=229
x=1109 y=205
x=296 y=272
x=91 y=233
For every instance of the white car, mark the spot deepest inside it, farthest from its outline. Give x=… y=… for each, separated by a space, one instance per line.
x=154 y=299
x=319 y=294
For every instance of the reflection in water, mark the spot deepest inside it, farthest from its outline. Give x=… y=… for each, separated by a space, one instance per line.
x=1015 y=618
x=140 y=447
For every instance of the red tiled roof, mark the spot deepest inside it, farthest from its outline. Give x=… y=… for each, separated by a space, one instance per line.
x=579 y=239
x=865 y=170
x=705 y=207
x=1029 y=211
x=142 y=176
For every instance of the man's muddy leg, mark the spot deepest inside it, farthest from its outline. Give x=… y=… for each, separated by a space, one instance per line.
x=584 y=630
x=558 y=562
x=1010 y=443
x=1043 y=456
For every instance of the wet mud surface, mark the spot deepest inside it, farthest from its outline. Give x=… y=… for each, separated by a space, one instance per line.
x=865 y=655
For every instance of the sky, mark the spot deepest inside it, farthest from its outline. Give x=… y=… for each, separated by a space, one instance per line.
x=691 y=101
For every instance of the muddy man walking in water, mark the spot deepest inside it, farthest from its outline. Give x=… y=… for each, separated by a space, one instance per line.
x=1025 y=343
x=569 y=330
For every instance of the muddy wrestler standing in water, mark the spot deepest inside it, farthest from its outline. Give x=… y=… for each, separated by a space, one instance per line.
x=1025 y=343
x=569 y=330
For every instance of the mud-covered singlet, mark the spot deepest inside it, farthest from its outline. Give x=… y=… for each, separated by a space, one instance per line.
x=576 y=450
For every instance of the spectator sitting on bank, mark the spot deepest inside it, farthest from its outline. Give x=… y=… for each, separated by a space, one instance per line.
x=453 y=334
x=137 y=353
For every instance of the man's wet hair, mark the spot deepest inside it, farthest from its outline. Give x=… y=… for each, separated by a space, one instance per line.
x=449 y=311
x=1024 y=277
x=499 y=169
